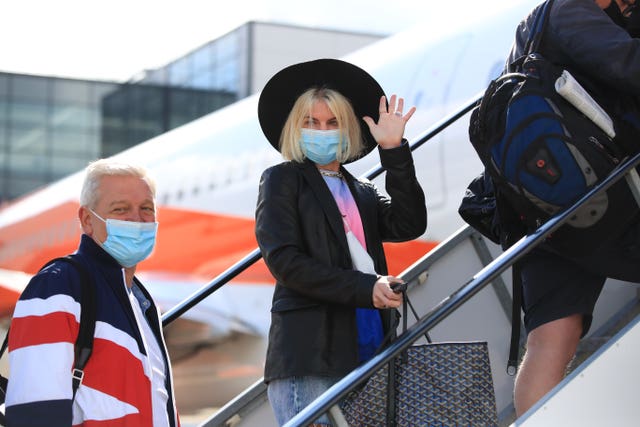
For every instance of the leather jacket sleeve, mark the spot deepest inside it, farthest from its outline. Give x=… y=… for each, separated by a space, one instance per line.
x=403 y=215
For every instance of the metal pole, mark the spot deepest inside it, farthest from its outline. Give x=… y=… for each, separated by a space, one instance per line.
x=193 y=299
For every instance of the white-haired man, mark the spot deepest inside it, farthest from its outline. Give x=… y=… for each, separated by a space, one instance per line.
x=127 y=380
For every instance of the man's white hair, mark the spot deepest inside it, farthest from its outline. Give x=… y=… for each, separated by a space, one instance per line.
x=94 y=172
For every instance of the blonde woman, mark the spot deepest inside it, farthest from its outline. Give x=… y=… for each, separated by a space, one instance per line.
x=321 y=230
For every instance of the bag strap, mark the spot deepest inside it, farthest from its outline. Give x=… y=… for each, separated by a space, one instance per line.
x=516 y=302
x=406 y=302
x=538 y=28
x=84 y=342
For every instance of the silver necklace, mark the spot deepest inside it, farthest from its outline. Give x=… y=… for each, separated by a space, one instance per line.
x=331 y=173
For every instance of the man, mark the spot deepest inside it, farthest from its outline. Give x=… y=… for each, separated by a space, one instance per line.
x=127 y=380
x=560 y=291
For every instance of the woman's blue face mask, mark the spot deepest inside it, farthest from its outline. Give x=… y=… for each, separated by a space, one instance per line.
x=320 y=146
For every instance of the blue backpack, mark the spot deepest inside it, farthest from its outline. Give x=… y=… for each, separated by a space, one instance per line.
x=543 y=154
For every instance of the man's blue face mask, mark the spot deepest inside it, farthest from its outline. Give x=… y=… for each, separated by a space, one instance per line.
x=320 y=146
x=129 y=242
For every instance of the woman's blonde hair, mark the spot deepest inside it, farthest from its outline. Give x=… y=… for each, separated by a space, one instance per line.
x=348 y=123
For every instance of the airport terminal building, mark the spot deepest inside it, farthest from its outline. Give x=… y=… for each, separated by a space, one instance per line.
x=51 y=127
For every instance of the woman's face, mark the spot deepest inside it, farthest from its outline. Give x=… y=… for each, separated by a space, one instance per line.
x=320 y=117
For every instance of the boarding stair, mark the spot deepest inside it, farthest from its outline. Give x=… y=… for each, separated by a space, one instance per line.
x=462 y=288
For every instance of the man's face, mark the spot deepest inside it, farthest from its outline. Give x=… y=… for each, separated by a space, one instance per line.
x=126 y=198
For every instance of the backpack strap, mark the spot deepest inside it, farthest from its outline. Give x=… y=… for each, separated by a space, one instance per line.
x=538 y=28
x=533 y=43
x=514 y=345
x=84 y=342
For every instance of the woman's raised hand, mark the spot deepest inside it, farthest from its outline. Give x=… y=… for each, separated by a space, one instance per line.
x=389 y=130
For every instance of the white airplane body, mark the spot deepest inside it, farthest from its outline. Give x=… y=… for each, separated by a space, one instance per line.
x=208 y=173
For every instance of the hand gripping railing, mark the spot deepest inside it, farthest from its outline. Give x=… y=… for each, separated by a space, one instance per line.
x=255 y=255
x=448 y=305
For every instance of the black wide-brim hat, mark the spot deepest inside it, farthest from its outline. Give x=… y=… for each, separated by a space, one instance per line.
x=283 y=89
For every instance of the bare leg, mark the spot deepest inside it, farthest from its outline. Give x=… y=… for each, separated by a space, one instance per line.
x=550 y=348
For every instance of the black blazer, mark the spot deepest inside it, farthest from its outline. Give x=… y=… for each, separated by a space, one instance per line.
x=301 y=236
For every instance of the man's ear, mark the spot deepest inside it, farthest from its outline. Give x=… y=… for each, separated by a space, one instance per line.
x=86 y=222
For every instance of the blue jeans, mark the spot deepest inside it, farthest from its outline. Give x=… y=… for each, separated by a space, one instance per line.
x=289 y=396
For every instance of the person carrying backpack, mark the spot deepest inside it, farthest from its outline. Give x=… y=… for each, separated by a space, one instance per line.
x=560 y=288
x=127 y=380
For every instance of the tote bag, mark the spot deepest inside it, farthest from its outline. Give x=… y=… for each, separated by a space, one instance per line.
x=436 y=384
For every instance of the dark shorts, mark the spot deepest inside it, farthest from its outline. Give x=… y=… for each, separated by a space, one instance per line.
x=555 y=286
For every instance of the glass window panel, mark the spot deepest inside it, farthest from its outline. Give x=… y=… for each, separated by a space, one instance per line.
x=140 y=134
x=204 y=80
x=29 y=88
x=29 y=165
x=101 y=90
x=113 y=122
x=221 y=99
x=115 y=106
x=182 y=109
x=228 y=76
x=179 y=71
x=3 y=138
x=23 y=113
x=158 y=76
x=146 y=114
x=19 y=185
x=75 y=91
x=113 y=141
x=28 y=140
x=4 y=85
x=147 y=102
x=76 y=142
x=72 y=116
x=62 y=166
x=4 y=111
x=202 y=59
x=226 y=48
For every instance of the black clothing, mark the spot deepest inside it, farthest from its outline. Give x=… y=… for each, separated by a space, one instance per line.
x=301 y=235
x=606 y=60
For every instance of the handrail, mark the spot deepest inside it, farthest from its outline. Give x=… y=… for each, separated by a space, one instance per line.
x=255 y=255
x=339 y=390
